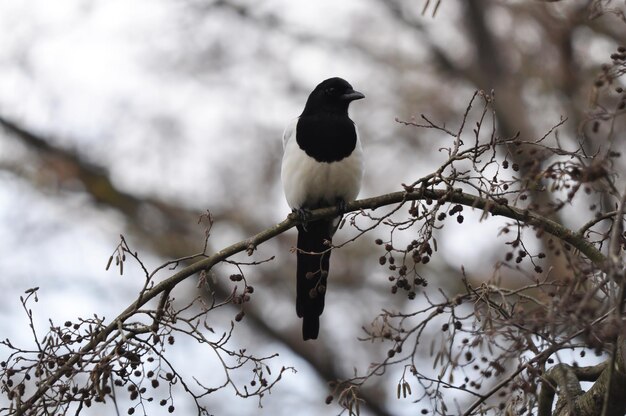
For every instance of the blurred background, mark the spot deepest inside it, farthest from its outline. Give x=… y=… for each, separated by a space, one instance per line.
x=136 y=117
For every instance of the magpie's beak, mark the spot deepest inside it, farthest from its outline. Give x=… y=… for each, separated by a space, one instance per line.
x=352 y=95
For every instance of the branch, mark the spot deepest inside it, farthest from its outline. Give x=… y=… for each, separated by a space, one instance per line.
x=610 y=384
x=609 y=378
x=564 y=377
x=249 y=245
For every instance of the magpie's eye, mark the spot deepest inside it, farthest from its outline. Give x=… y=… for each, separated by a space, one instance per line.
x=330 y=90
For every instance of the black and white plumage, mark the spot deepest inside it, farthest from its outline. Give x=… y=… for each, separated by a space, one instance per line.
x=322 y=166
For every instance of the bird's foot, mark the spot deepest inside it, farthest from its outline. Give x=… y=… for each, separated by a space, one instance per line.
x=342 y=205
x=302 y=214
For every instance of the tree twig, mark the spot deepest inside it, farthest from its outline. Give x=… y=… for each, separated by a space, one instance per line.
x=251 y=243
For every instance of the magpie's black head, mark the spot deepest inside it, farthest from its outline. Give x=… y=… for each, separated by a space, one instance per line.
x=331 y=96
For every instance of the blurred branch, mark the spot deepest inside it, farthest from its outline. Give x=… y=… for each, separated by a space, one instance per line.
x=319 y=358
x=274 y=23
x=441 y=59
x=177 y=225
x=94 y=178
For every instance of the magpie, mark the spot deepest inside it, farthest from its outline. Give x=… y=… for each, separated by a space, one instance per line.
x=322 y=166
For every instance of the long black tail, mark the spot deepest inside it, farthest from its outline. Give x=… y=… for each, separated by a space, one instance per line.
x=312 y=274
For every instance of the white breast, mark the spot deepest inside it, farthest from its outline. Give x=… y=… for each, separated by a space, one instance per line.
x=308 y=183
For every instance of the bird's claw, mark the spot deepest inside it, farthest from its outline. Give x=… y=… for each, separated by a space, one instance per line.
x=342 y=206
x=303 y=214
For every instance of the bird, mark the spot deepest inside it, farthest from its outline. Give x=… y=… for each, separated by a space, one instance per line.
x=322 y=166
